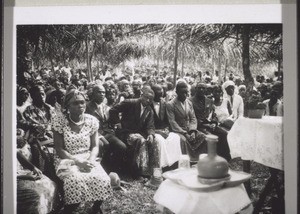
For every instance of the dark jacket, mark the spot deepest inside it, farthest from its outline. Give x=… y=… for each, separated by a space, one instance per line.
x=131 y=120
x=161 y=119
x=92 y=109
x=202 y=109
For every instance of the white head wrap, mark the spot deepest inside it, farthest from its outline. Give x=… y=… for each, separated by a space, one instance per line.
x=228 y=83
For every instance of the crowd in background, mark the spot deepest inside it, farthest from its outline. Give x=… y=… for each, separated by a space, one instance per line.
x=143 y=120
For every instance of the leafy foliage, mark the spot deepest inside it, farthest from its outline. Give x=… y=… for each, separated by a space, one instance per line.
x=254 y=100
x=200 y=46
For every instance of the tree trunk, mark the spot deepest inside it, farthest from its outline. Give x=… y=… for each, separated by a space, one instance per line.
x=219 y=67
x=176 y=58
x=214 y=63
x=158 y=71
x=52 y=64
x=279 y=61
x=88 y=59
x=225 y=70
x=182 y=64
x=246 y=56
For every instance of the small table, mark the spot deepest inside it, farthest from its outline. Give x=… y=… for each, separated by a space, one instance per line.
x=260 y=140
x=182 y=200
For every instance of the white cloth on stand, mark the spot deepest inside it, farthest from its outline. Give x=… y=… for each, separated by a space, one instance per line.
x=260 y=140
x=170 y=149
x=182 y=200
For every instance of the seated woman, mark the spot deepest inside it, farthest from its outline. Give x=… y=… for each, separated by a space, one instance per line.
x=221 y=113
x=36 y=193
x=76 y=143
x=37 y=117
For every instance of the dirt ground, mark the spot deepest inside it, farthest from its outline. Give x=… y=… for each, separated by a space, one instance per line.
x=137 y=197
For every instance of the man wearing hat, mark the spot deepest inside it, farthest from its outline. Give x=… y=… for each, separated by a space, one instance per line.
x=235 y=103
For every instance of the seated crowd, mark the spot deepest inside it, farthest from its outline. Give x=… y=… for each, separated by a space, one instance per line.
x=130 y=127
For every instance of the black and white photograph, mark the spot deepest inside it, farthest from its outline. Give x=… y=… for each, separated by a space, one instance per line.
x=129 y=112
x=156 y=116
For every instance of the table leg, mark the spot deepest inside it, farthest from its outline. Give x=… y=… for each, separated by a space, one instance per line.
x=272 y=181
x=277 y=204
x=246 y=168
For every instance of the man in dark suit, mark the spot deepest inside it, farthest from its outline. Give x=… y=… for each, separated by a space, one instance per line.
x=136 y=129
x=183 y=121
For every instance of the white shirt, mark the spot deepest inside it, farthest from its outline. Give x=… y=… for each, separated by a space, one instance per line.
x=183 y=104
x=156 y=106
x=237 y=106
x=278 y=107
x=142 y=109
x=102 y=111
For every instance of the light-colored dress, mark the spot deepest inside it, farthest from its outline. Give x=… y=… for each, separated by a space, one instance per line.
x=221 y=112
x=80 y=186
x=39 y=196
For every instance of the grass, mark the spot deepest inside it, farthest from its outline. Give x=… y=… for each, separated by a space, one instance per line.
x=138 y=198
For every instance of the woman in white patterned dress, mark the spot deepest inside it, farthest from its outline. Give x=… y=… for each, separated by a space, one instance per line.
x=36 y=193
x=76 y=143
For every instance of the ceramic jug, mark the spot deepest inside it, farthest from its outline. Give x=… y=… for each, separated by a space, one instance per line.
x=212 y=166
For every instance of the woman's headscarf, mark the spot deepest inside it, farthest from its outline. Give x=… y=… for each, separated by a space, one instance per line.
x=71 y=93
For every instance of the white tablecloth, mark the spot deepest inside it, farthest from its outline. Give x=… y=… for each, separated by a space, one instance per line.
x=182 y=200
x=260 y=140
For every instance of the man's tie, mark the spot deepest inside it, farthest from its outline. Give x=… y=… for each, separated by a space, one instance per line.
x=229 y=104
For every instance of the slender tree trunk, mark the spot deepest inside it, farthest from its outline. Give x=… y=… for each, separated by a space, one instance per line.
x=199 y=60
x=219 y=66
x=225 y=70
x=214 y=62
x=158 y=71
x=246 y=55
x=88 y=59
x=279 y=60
x=182 y=64
x=52 y=64
x=176 y=58
x=90 y=67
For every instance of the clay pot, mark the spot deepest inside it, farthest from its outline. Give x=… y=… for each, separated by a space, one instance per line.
x=212 y=166
x=256 y=113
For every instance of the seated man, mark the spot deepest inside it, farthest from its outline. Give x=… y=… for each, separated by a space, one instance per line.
x=109 y=143
x=235 y=103
x=183 y=121
x=204 y=108
x=169 y=142
x=274 y=106
x=136 y=87
x=55 y=97
x=136 y=130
